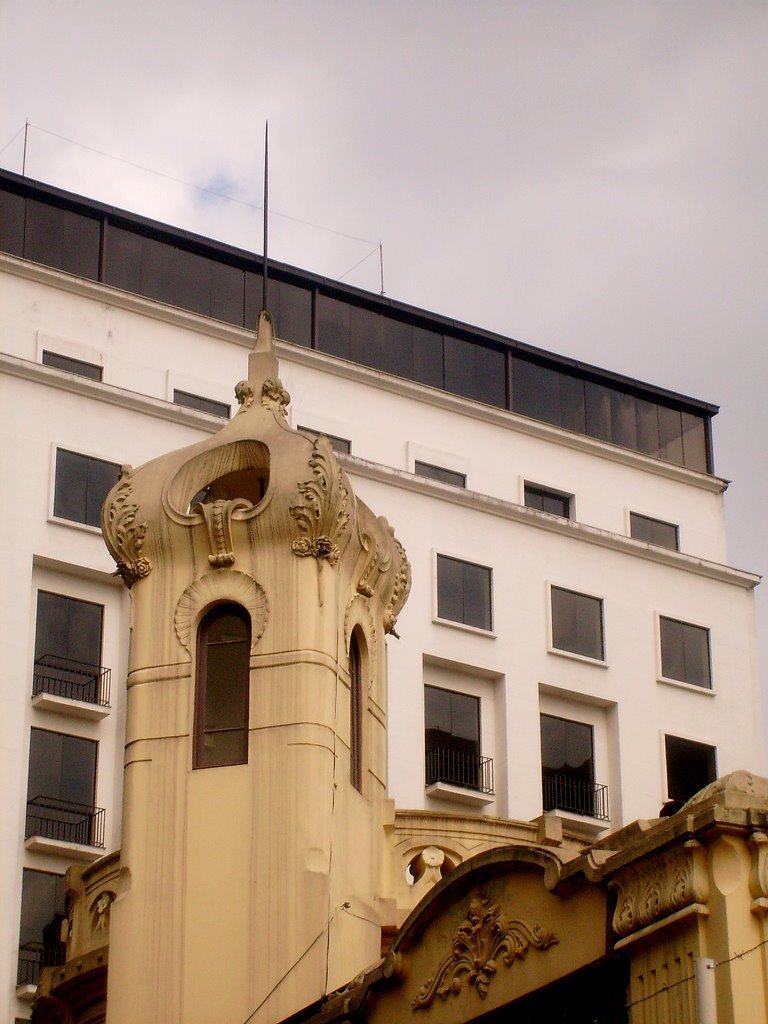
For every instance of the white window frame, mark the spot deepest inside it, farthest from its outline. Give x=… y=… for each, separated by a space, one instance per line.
x=415 y=452
x=680 y=683
x=559 y=491
x=551 y=649
x=663 y=733
x=649 y=515
x=477 y=630
x=76 y=450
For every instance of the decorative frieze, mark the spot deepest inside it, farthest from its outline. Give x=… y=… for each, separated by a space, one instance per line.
x=322 y=516
x=485 y=936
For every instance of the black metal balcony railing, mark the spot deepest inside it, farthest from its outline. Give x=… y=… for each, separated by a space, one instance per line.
x=66 y=822
x=35 y=955
x=459 y=768
x=65 y=677
x=573 y=793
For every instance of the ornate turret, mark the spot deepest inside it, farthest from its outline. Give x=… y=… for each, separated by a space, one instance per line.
x=255 y=775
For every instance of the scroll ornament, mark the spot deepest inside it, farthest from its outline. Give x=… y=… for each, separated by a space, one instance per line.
x=482 y=938
x=124 y=533
x=322 y=517
x=218 y=520
x=401 y=590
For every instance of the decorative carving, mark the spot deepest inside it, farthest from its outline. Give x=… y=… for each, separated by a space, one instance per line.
x=482 y=938
x=244 y=394
x=659 y=886
x=401 y=589
x=323 y=516
x=123 y=533
x=218 y=520
x=230 y=585
x=373 y=567
x=758 y=875
x=359 y=614
x=274 y=396
x=100 y=912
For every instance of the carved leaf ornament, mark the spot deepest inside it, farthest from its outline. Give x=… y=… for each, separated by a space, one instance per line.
x=486 y=935
x=322 y=517
x=124 y=533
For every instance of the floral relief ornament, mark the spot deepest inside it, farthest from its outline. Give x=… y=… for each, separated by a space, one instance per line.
x=322 y=517
x=124 y=533
x=485 y=935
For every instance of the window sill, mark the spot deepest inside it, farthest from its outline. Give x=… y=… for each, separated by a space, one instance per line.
x=581 y=824
x=444 y=791
x=597 y=662
x=62 y=848
x=70 y=707
x=26 y=993
x=74 y=524
x=707 y=691
x=464 y=627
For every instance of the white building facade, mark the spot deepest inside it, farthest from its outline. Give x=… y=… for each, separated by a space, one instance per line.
x=573 y=642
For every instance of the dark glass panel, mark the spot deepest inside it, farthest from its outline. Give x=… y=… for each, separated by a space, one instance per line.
x=647 y=427
x=475 y=372
x=42 y=904
x=102 y=477
x=452 y=720
x=694 y=442
x=685 y=653
x=577 y=623
x=547 y=501
x=464 y=592
x=623 y=420
x=227 y=284
x=61 y=767
x=223 y=675
x=71 y=487
x=535 y=391
x=567 y=747
x=428 y=358
x=445 y=476
x=355 y=713
x=598 y=406
x=78 y=366
x=450 y=589
x=339 y=444
x=670 y=435
x=572 y=404
x=653 y=531
x=333 y=327
x=62 y=239
x=123 y=259
x=68 y=628
x=293 y=319
x=12 y=223
x=690 y=767
x=397 y=355
x=365 y=340
x=209 y=405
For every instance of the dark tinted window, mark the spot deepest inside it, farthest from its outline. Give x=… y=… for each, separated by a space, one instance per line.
x=12 y=223
x=339 y=444
x=61 y=767
x=78 y=366
x=568 y=770
x=445 y=476
x=209 y=405
x=334 y=327
x=464 y=592
x=290 y=306
x=547 y=501
x=82 y=484
x=355 y=713
x=223 y=679
x=475 y=372
x=452 y=738
x=62 y=239
x=690 y=767
x=68 y=628
x=428 y=358
x=42 y=912
x=653 y=531
x=685 y=653
x=577 y=623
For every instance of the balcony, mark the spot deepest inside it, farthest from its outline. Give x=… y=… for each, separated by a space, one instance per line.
x=574 y=794
x=59 y=826
x=71 y=687
x=459 y=775
x=33 y=956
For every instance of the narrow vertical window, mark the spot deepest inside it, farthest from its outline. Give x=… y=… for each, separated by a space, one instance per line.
x=355 y=713
x=221 y=699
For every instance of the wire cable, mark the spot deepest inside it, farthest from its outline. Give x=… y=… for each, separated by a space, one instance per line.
x=200 y=188
x=374 y=250
x=18 y=133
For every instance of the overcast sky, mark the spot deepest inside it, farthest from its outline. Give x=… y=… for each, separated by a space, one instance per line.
x=589 y=177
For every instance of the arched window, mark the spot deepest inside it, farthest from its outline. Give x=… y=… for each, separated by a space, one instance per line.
x=221 y=695
x=356 y=712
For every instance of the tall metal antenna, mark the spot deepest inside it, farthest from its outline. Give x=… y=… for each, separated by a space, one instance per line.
x=265 y=279
x=24 y=157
